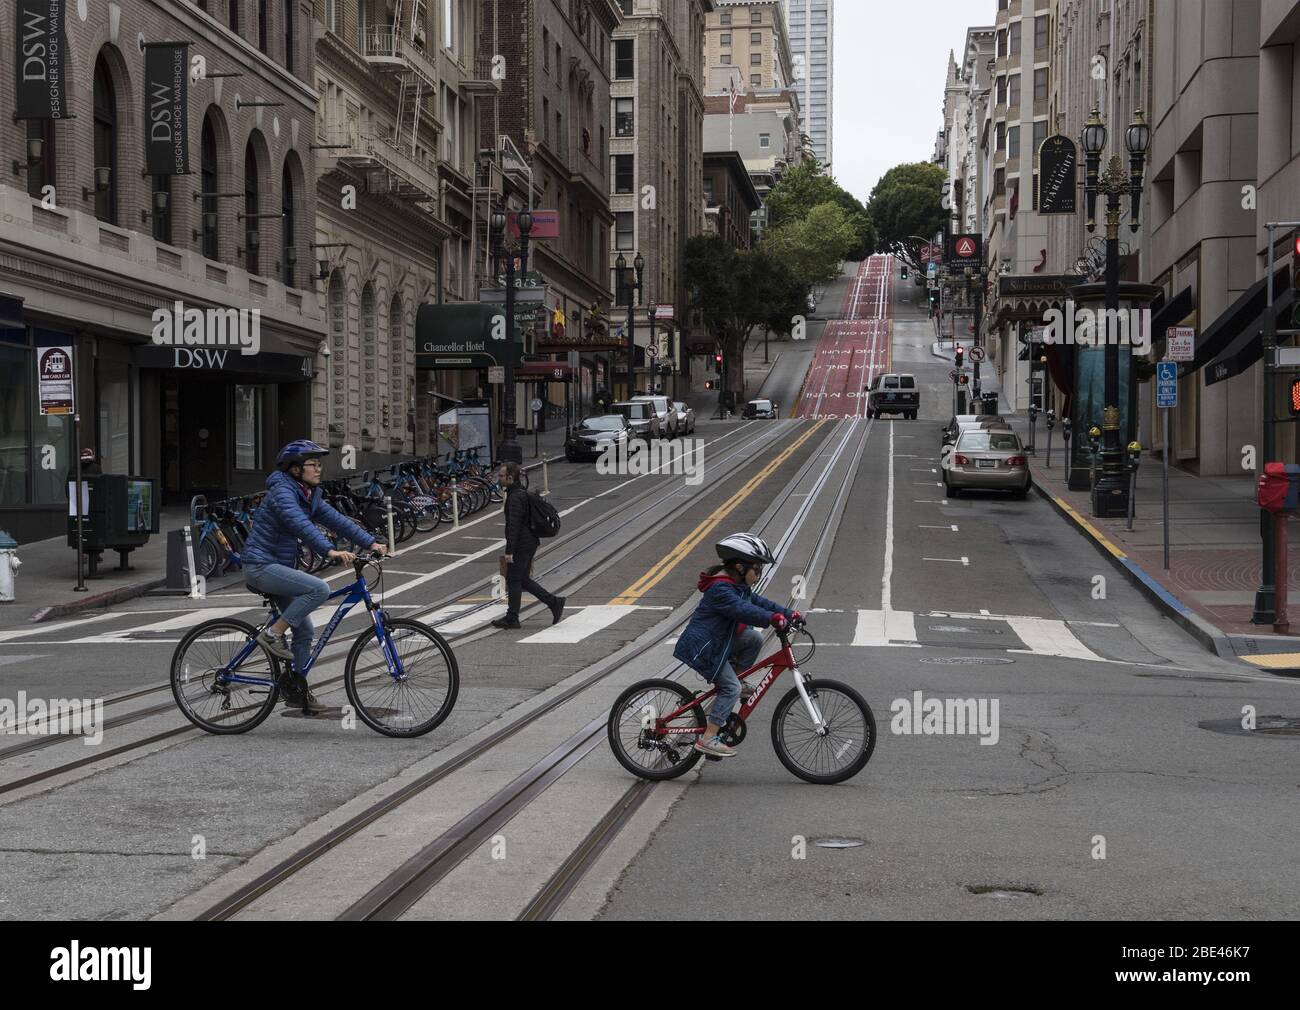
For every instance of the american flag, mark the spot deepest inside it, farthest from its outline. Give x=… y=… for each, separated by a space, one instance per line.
x=732 y=88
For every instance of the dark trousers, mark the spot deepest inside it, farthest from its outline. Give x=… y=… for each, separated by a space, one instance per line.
x=517 y=580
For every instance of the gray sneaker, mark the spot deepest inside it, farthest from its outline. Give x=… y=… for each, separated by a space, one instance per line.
x=714 y=747
x=276 y=645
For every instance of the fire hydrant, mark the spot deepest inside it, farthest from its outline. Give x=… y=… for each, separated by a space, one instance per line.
x=9 y=565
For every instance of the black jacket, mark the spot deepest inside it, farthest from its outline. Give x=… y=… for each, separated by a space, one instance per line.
x=519 y=537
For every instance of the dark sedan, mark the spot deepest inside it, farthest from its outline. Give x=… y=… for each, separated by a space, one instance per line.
x=593 y=436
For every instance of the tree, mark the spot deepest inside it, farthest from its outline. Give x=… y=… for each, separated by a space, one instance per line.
x=906 y=209
x=808 y=184
x=815 y=246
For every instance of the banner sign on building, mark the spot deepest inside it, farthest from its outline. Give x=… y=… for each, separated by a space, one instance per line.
x=54 y=376
x=166 y=108
x=546 y=224
x=42 y=60
x=965 y=250
x=1058 y=165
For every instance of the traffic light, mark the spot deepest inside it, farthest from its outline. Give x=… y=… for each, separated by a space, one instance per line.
x=1295 y=285
x=960 y=356
x=963 y=380
x=709 y=384
x=904 y=271
x=1294 y=402
x=717 y=362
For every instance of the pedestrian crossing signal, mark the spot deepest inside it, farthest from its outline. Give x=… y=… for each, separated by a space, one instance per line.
x=1294 y=403
x=708 y=384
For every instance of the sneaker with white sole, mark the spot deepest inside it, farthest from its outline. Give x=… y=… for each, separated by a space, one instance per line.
x=714 y=747
x=276 y=645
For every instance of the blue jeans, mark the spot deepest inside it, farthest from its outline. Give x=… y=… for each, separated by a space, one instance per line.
x=744 y=653
x=296 y=594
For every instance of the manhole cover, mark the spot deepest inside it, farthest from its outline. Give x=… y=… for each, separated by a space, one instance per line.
x=1265 y=725
x=839 y=843
x=967 y=660
x=1005 y=891
x=957 y=629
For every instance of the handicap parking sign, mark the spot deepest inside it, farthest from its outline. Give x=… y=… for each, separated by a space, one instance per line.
x=1166 y=384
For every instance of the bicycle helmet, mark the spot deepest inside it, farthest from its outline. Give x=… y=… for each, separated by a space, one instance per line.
x=745 y=547
x=297 y=451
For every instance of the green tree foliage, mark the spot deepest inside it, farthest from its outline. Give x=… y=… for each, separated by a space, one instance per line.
x=907 y=203
x=813 y=246
x=808 y=185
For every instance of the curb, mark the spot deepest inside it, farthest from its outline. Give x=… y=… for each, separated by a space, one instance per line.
x=104 y=599
x=1198 y=627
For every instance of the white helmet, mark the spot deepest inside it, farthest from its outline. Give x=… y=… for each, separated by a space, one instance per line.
x=745 y=547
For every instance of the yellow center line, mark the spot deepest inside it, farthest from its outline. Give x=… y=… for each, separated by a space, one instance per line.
x=670 y=560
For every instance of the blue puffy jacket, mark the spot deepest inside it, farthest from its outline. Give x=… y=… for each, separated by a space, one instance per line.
x=288 y=514
x=726 y=608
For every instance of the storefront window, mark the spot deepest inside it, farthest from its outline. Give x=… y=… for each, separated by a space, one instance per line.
x=248 y=427
x=14 y=379
x=114 y=427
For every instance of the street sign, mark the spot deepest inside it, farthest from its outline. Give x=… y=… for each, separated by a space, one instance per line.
x=535 y=404
x=651 y=351
x=1166 y=384
x=496 y=374
x=977 y=353
x=1181 y=343
x=664 y=312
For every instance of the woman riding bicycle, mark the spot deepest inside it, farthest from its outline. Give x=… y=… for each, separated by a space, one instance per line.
x=716 y=633
x=289 y=513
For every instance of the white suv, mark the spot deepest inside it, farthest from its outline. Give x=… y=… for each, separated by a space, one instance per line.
x=663 y=409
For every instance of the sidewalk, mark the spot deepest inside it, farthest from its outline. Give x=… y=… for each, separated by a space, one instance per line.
x=45 y=584
x=1214 y=550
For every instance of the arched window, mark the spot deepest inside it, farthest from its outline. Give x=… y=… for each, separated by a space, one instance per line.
x=252 y=237
x=369 y=352
x=338 y=319
x=288 y=34
x=105 y=102
x=397 y=404
x=209 y=220
x=288 y=239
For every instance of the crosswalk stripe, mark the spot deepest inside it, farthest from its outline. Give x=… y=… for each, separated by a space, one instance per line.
x=477 y=619
x=1049 y=638
x=880 y=628
x=583 y=623
x=186 y=620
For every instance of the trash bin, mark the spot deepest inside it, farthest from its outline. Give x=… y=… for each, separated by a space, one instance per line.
x=990 y=403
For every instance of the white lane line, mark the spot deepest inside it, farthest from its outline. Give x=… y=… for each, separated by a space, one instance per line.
x=931 y=501
x=1049 y=638
x=185 y=620
x=956 y=561
x=584 y=622
x=448 y=554
x=887 y=575
x=953 y=528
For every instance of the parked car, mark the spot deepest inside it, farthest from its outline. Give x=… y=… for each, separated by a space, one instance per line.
x=592 y=436
x=663 y=411
x=964 y=422
x=685 y=418
x=990 y=459
x=893 y=393
x=761 y=409
x=641 y=417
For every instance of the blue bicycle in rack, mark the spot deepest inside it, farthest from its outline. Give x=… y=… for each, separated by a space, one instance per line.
x=401 y=676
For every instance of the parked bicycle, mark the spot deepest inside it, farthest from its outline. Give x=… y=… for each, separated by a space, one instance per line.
x=823 y=731
x=400 y=675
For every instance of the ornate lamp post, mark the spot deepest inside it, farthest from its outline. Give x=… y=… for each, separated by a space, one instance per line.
x=510 y=450
x=630 y=291
x=1110 y=491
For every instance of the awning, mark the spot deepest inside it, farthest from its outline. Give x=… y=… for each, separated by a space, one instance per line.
x=556 y=371
x=1242 y=318
x=1248 y=346
x=1171 y=313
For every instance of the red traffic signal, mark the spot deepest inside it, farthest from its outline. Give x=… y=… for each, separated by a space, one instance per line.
x=960 y=354
x=1294 y=402
x=1297 y=245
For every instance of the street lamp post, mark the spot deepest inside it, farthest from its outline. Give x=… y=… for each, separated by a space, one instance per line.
x=1110 y=490
x=510 y=450
x=630 y=291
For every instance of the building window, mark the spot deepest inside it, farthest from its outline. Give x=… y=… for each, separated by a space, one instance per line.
x=725 y=19
x=546 y=121
x=234 y=16
x=623 y=70
x=208 y=172
x=331 y=15
x=624 y=121
x=248 y=427
x=724 y=39
x=288 y=249
x=287 y=12
x=1040 y=32
x=755 y=59
x=263 y=28
x=1040 y=85
x=623 y=228
x=708 y=189
x=252 y=237
x=1002 y=91
x=725 y=59
x=42 y=173
x=1040 y=134
x=756 y=80
x=1001 y=144
x=369 y=361
x=624 y=174
x=999 y=181
x=162 y=219
x=546 y=49
x=561 y=141
x=1013 y=91
x=338 y=308
x=397 y=369
x=764 y=140
x=755 y=17
x=756 y=38
x=1013 y=39
x=105 y=102
x=1002 y=43
x=1013 y=142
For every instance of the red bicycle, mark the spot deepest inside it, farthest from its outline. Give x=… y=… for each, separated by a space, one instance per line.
x=823 y=731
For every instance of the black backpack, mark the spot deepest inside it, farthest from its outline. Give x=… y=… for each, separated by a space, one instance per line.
x=543 y=520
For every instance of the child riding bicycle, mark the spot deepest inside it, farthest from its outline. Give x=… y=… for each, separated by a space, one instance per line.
x=725 y=627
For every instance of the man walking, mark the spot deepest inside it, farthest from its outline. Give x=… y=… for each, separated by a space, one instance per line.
x=521 y=545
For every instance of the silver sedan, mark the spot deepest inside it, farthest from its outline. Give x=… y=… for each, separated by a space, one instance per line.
x=991 y=459
x=685 y=418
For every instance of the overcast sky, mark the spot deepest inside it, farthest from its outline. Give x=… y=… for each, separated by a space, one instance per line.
x=891 y=60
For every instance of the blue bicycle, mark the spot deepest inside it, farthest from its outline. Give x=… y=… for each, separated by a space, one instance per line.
x=401 y=676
